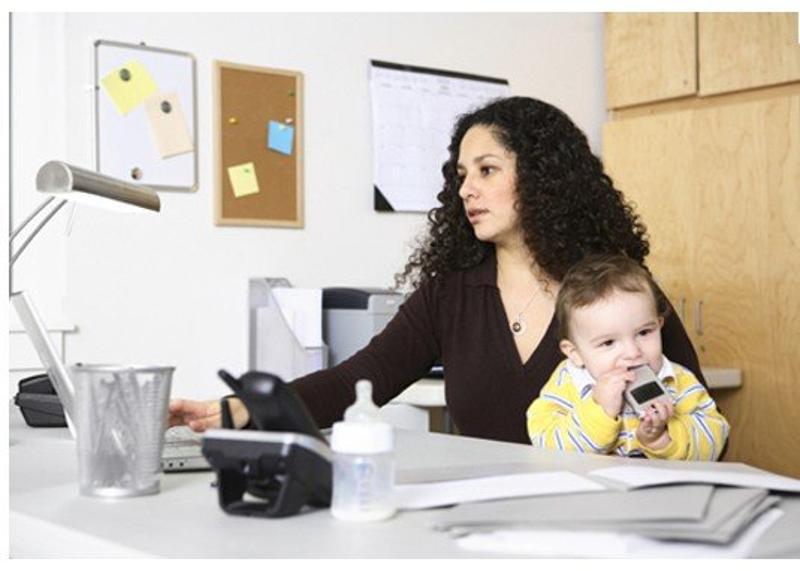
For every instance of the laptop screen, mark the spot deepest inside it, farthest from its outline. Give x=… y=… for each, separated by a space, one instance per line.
x=47 y=353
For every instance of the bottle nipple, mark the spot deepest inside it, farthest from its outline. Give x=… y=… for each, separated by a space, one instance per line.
x=364 y=409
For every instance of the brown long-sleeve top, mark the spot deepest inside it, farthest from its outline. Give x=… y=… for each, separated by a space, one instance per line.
x=460 y=319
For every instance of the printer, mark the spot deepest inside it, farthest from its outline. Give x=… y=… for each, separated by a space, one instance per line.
x=353 y=316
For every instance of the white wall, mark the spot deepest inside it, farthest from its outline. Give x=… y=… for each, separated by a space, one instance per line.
x=39 y=133
x=172 y=288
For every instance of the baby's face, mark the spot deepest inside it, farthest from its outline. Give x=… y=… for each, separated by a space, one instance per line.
x=621 y=331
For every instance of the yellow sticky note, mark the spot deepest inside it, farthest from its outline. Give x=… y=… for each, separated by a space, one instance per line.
x=243 y=179
x=128 y=86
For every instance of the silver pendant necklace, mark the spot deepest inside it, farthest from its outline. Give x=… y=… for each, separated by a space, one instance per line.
x=518 y=325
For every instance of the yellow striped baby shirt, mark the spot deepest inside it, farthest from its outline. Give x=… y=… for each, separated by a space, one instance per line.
x=566 y=417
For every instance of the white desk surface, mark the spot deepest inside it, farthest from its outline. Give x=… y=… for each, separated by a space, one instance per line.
x=49 y=518
x=429 y=392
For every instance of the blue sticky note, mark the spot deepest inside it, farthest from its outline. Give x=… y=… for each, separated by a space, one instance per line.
x=280 y=137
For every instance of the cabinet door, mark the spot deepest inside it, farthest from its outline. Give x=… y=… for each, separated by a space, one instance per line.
x=747 y=270
x=647 y=159
x=649 y=57
x=718 y=190
x=743 y=51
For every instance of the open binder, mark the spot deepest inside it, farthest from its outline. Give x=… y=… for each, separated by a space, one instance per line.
x=273 y=345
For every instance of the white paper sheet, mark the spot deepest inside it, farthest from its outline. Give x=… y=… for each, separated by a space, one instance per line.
x=638 y=477
x=429 y=495
x=412 y=118
x=302 y=309
x=602 y=544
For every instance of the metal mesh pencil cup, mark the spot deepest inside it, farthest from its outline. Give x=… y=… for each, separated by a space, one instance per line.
x=120 y=417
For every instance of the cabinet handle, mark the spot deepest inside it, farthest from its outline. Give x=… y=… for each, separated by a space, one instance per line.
x=698 y=317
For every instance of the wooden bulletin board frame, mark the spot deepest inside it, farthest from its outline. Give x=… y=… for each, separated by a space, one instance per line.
x=247 y=98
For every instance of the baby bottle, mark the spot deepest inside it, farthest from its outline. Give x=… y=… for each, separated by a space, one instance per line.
x=363 y=462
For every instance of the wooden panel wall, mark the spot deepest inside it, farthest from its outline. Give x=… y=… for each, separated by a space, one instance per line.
x=642 y=157
x=718 y=190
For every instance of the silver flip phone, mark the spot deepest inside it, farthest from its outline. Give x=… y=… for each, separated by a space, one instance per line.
x=645 y=389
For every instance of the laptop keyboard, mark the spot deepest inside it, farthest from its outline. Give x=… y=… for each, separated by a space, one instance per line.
x=181 y=440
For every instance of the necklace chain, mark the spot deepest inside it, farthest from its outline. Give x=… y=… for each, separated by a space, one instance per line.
x=518 y=325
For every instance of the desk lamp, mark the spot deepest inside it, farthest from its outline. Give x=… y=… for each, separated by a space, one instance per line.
x=68 y=182
x=80 y=185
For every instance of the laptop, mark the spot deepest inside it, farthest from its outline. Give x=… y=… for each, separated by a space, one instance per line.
x=182 y=446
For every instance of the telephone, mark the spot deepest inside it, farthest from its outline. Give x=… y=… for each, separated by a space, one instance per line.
x=285 y=462
x=645 y=389
x=38 y=402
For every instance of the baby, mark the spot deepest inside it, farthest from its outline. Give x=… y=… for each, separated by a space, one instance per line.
x=609 y=320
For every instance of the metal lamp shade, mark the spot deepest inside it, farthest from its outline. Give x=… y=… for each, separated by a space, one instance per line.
x=58 y=178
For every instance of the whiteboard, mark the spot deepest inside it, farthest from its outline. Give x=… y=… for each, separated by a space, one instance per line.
x=125 y=145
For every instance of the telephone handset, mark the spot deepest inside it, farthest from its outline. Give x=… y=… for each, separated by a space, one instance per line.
x=646 y=389
x=271 y=403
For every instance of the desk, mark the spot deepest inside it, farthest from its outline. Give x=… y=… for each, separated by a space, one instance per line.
x=49 y=518
x=429 y=392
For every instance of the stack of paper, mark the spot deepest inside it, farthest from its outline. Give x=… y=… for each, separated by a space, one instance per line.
x=609 y=544
x=639 y=476
x=436 y=494
x=685 y=513
x=645 y=511
x=302 y=310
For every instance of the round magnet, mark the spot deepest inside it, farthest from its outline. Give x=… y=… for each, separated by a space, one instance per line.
x=125 y=74
x=136 y=173
x=166 y=107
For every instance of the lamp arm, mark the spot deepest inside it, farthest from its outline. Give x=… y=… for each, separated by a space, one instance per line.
x=30 y=217
x=36 y=230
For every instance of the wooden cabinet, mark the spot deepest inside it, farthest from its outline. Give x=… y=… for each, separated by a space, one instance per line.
x=654 y=57
x=719 y=190
x=649 y=57
x=743 y=51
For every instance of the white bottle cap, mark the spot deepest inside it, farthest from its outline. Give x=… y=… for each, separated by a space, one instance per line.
x=362 y=437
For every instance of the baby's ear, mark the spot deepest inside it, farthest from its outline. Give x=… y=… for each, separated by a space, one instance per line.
x=571 y=351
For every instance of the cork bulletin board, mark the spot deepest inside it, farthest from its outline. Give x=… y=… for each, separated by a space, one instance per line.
x=258 y=146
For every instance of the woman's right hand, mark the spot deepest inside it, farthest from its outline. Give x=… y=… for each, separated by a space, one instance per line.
x=202 y=415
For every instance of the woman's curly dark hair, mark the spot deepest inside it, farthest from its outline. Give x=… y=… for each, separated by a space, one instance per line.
x=568 y=206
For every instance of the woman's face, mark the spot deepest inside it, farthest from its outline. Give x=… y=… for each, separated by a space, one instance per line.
x=488 y=173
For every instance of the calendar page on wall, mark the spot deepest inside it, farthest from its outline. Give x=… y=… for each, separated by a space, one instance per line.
x=413 y=112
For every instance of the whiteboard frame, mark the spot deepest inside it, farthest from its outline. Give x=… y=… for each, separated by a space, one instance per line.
x=97 y=143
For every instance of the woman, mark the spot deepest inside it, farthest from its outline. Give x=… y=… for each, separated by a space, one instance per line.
x=523 y=200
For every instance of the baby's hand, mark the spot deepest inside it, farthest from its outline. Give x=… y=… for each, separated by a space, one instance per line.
x=609 y=389
x=652 y=431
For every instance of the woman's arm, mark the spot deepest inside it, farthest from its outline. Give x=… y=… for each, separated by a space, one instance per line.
x=395 y=358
